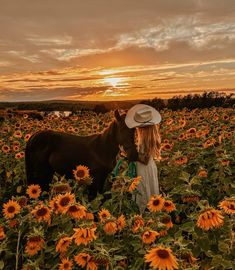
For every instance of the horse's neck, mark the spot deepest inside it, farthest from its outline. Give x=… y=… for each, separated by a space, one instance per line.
x=109 y=140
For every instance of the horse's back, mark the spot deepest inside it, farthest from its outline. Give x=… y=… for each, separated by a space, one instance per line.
x=52 y=151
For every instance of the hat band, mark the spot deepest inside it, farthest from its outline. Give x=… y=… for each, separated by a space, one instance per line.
x=143 y=122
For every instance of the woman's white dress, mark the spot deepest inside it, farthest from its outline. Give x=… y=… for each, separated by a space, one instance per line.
x=148 y=185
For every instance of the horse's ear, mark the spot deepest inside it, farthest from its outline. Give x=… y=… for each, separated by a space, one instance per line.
x=117 y=115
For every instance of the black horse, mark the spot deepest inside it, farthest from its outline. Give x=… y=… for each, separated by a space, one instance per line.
x=50 y=151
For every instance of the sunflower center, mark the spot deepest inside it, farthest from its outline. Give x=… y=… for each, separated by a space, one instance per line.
x=232 y=207
x=166 y=220
x=163 y=254
x=64 y=201
x=42 y=212
x=35 y=239
x=34 y=191
x=156 y=202
x=66 y=266
x=80 y=173
x=11 y=209
x=73 y=208
x=167 y=204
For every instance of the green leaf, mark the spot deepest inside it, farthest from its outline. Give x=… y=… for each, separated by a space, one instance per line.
x=188 y=226
x=184 y=176
x=216 y=261
x=223 y=247
x=1 y=264
x=204 y=243
x=227 y=264
x=195 y=180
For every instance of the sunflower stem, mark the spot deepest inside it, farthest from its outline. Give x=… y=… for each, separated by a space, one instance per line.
x=120 y=204
x=17 y=249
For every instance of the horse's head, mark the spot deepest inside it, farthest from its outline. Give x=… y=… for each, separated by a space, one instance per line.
x=126 y=137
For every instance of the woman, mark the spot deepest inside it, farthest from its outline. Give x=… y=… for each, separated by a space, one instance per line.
x=145 y=119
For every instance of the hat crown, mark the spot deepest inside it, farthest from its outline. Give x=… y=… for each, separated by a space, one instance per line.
x=143 y=115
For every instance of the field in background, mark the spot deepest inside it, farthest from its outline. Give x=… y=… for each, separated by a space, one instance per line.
x=196 y=174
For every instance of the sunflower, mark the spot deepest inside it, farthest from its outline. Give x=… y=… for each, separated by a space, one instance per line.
x=41 y=213
x=134 y=183
x=166 y=220
x=121 y=222
x=36 y=239
x=22 y=201
x=167 y=146
x=16 y=148
x=33 y=245
x=64 y=200
x=54 y=205
x=225 y=162
x=81 y=172
x=2 y=233
x=110 y=227
x=202 y=173
x=13 y=223
x=11 y=208
x=187 y=258
x=61 y=188
x=156 y=203
x=169 y=206
x=76 y=211
x=192 y=130
x=190 y=198
x=33 y=191
x=169 y=121
x=91 y=265
x=149 y=236
x=27 y=137
x=104 y=214
x=63 y=244
x=17 y=134
x=162 y=233
x=82 y=259
x=89 y=216
x=6 y=149
x=161 y=258
x=228 y=205
x=32 y=248
x=181 y=160
x=137 y=223
x=210 y=218
x=209 y=142
x=66 y=264
x=84 y=235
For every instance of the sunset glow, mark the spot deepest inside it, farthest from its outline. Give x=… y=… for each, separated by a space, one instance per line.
x=113 y=81
x=96 y=52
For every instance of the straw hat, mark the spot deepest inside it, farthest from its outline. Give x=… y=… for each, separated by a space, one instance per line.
x=142 y=115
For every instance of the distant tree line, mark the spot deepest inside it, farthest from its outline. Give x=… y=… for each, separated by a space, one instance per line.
x=191 y=101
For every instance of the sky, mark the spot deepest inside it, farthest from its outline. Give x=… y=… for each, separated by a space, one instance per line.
x=115 y=49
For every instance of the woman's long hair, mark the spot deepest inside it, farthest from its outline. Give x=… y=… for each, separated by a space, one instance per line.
x=148 y=142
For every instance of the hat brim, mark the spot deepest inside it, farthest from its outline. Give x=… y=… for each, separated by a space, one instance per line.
x=130 y=121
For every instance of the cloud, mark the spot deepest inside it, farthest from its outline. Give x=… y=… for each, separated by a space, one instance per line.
x=39 y=94
x=154 y=44
x=44 y=36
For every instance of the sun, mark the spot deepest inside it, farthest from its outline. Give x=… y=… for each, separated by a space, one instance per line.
x=113 y=81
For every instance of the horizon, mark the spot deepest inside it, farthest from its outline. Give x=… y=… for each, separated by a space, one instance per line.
x=116 y=50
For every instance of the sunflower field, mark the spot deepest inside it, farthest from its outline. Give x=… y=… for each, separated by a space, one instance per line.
x=190 y=225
